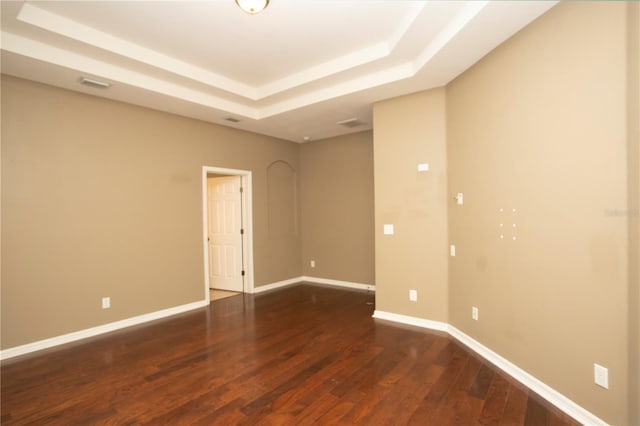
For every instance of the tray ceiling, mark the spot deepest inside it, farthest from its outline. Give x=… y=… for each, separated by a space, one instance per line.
x=292 y=71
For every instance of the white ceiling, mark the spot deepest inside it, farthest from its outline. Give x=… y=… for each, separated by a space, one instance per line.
x=291 y=72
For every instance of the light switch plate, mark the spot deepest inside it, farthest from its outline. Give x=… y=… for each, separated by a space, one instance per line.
x=413 y=295
x=601 y=376
x=423 y=167
x=452 y=250
x=388 y=229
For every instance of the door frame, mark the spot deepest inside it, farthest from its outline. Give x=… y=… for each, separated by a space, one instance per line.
x=247 y=223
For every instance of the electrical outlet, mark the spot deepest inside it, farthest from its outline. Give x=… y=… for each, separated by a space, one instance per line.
x=413 y=295
x=474 y=313
x=601 y=376
x=106 y=302
x=312 y=263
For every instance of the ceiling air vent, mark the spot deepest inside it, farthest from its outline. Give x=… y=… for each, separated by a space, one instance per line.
x=231 y=119
x=351 y=122
x=94 y=83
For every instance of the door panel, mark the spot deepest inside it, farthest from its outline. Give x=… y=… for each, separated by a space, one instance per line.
x=225 y=238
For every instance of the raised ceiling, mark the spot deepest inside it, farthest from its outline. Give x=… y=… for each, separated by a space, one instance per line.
x=292 y=71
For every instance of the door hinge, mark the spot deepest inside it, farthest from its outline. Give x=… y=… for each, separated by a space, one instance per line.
x=242 y=232
x=241 y=190
x=243 y=273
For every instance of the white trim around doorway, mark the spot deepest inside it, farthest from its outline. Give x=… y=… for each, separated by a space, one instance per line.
x=247 y=213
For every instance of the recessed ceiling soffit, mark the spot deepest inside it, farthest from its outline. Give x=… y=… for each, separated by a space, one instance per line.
x=396 y=58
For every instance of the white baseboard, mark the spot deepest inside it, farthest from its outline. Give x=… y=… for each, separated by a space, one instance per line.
x=106 y=328
x=94 y=331
x=312 y=280
x=338 y=283
x=554 y=397
x=547 y=392
x=405 y=319
x=275 y=285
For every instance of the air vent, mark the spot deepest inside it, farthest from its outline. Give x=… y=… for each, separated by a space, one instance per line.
x=351 y=122
x=232 y=119
x=94 y=83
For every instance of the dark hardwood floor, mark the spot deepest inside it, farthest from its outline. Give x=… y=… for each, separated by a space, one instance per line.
x=302 y=355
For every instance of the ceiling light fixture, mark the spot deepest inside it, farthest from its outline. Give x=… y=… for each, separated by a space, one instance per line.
x=252 y=6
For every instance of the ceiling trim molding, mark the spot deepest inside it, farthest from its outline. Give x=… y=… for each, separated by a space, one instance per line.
x=113 y=73
x=459 y=21
x=387 y=50
x=60 y=25
x=68 y=28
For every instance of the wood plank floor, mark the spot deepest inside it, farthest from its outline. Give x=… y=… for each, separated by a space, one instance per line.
x=301 y=355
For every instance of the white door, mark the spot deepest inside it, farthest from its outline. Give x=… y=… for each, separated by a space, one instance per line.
x=225 y=238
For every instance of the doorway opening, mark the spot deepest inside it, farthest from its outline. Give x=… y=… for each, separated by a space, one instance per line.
x=228 y=232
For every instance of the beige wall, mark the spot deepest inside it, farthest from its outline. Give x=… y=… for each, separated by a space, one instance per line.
x=633 y=129
x=539 y=125
x=407 y=131
x=336 y=186
x=283 y=219
x=101 y=198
